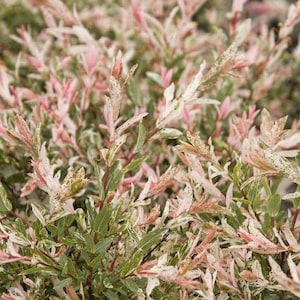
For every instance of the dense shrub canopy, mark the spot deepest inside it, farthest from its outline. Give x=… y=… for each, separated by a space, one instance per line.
x=145 y=152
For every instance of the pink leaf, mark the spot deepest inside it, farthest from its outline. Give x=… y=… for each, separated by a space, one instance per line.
x=117 y=67
x=224 y=109
x=91 y=58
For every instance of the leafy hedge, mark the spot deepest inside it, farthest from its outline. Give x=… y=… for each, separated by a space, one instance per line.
x=144 y=150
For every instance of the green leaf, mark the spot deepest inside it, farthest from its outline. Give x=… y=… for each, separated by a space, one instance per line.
x=114 y=166
x=133 y=165
x=258 y=202
x=107 y=282
x=37 y=212
x=226 y=89
x=103 y=245
x=101 y=251
x=253 y=190
x=40 y=270
x=15 y=178
x=5 y=204
x=44 y=256
x=91 y=211
x=66 y=221
x=253 y=194
x=85 y=255
x=266 y=186
x=63 y=283
x=274 y=205
x=134 y=92
x=53 y=229
x=275 y=184
x=114 y=148
x=267 y=224
x=102 y=219
x=36 y=142
x=150 y=239
x=117 y=215
x=99 y=181
x=141 y=138
x=68 y=267
x=71 y=242
x=130 y=265
x=130 y=284
x=114 y=177
x=296 y=203
x=89 y=242
x=20 y=227
x=111 y=295
x=143 y=246
x=132 y=233
x=236 y=218
x=96 y=262
x=167 y=133
x=73 y=182
x=48 y=243
x=114 y=180
x=239 y=174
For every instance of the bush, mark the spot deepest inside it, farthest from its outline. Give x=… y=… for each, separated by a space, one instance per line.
x=144 y=151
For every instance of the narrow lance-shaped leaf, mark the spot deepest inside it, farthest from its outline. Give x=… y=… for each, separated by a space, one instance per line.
x=130 y=122
x=5 y=204
x=141 y=138
x=143 y=247
x=113 y=150
x=114 y=177
x=134 y=165
x=72 y=184
x=99 y=178
x=62 y=284
x=102 y=220
x=274 y=205
x=132 y=262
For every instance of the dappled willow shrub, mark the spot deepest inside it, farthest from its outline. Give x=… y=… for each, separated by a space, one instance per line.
x=145 y=152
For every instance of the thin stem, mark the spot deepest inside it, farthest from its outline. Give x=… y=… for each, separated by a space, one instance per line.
x=89 y=283
x=148 y=137
x=14 y=214
x=112 y=264
x=105 y=177
x=295 y=218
